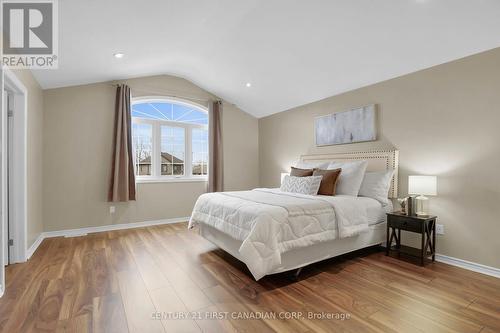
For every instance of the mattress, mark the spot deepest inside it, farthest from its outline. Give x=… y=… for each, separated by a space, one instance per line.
x=268 y=223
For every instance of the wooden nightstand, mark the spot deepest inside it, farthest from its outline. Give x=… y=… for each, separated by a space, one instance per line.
x=425 y=226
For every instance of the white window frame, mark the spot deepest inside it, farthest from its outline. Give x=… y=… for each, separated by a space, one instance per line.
x=156 y=176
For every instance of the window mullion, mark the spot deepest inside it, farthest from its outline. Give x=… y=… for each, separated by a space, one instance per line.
x=156 y=150
x=188 y=166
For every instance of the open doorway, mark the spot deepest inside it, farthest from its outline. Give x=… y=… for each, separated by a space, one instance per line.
x=13 y=170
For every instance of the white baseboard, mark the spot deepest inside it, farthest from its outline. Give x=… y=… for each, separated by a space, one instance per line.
x=34 y=246
x=88 y=230
x=471 y=266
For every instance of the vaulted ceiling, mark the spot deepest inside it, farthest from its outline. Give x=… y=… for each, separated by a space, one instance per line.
x=291 y=51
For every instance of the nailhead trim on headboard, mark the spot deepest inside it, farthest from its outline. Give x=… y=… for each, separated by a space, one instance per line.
x=391 y=162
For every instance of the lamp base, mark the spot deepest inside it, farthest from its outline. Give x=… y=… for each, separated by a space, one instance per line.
x=422 y=203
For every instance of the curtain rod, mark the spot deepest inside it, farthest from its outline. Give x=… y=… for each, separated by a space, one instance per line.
x=166 y=93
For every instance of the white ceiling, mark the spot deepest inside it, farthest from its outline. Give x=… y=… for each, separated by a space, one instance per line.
x=292 y=51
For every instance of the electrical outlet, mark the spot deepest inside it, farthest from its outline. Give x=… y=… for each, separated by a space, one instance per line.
x=440 y=229
x=112 y=209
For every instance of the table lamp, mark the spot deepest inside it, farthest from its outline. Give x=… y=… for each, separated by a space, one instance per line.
x=422 y=186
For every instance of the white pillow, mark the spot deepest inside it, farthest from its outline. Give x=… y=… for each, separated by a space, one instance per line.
x=376 y=185
x=311 y=165
x=304 y=185
x=350 y=178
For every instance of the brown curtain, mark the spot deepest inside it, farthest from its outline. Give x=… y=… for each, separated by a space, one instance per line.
x=216 y=162
x=122 y=183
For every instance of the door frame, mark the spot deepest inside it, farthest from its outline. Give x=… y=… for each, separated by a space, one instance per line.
x=18 y=182
x=2 y=192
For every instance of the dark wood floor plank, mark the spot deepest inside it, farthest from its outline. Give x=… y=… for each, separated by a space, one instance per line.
x=29 y=310
x=139 y=308
x=441 y=292
x=61 y=258
x=425 y=289
x=172 y=312
x=74 y=283
x=78 y=324
x=393 y=300
x=489 y=330
x=448 y=271
x=195 y=251
x=399 y=268
x=121 y=258
x=189 y=292
x=410 y=313
x=292 y=298
x=477 y=289
x=210 y=325
x=484 y=313
x=226 y=302
x=118 y=281
x=47 y=311
x=146 y=265
x=30 y=292
x=19 y=281
x=108 y=314
x=83 y=279
x=390 y=322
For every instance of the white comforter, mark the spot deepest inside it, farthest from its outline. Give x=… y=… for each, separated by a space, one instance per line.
x=270 y=222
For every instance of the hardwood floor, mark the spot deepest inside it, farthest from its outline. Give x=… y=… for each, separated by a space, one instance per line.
x=138 y=280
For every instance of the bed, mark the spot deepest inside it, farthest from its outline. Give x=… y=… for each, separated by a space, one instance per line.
x=273 y=231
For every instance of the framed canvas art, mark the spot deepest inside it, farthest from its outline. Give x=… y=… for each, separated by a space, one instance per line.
x=355 y=125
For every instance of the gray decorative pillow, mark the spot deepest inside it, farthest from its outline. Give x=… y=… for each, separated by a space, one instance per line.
x=304 y=185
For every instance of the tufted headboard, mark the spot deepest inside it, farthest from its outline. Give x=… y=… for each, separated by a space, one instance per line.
x=378 y=160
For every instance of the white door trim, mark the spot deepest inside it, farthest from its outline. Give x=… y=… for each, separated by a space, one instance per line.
x=18 y=182
x=2 y=188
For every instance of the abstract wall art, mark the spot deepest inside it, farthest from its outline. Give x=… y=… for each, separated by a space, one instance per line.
x=355 y=125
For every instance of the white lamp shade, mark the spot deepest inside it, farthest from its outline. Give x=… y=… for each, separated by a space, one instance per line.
x=424 y=185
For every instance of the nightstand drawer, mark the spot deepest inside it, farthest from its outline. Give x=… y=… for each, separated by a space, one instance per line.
x=405 y=223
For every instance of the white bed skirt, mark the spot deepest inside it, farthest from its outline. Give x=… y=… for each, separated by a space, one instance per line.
x=301 y=257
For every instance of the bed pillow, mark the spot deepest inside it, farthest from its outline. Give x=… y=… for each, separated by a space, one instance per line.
x=311 y=165
x=350 y=178
x=329 y=181
x=376 y=185
x=304 y=185
x=296 y=172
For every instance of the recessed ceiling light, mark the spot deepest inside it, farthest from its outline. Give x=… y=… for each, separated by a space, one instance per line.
x=248 y=84
x=118 y=55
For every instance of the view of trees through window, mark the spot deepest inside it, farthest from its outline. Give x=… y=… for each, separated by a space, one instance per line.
x=200 y=151
x=142 y=143
x=169 y=139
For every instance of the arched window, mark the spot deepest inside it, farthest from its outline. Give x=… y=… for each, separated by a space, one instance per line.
x=170 y=139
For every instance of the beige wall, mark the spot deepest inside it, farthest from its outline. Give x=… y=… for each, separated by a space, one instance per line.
x=444 y=121
x=34 y=154
x=78 y=122
x=241 y=149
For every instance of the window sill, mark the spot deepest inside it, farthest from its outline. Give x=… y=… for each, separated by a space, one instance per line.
x=150 y=180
